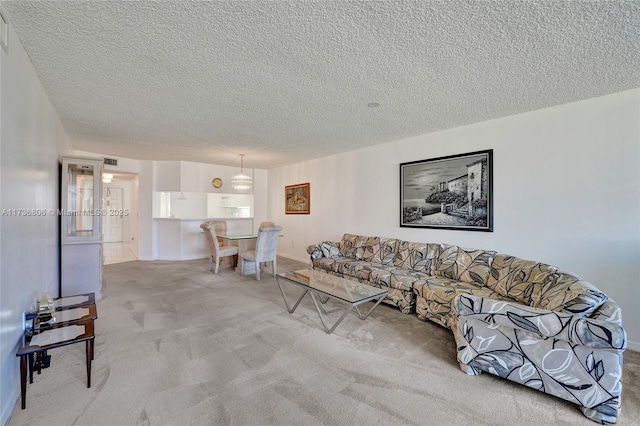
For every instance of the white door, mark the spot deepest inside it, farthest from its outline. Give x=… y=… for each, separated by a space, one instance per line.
x=112 y=222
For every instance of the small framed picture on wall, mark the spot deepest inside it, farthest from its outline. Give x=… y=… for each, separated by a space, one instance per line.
x=297 y=199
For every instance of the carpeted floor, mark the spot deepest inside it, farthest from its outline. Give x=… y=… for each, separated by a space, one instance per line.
x=178 y=345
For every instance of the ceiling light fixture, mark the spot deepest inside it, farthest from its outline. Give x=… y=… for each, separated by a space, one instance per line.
x=241 y=182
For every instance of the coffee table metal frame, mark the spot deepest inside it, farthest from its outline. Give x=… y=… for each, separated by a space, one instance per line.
x=322 y=287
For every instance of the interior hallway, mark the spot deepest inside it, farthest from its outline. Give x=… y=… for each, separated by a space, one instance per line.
x=117 y=253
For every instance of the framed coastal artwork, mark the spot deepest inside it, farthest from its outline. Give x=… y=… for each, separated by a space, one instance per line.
x=453 y=192
x=297 y=199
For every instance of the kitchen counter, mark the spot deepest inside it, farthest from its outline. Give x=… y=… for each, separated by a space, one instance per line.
x=182 y=239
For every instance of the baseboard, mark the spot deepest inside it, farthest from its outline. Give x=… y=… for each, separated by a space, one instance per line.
x=8 y=407
x=633 y=346
x=144 y=258
x=297 y=259
x=177 y=259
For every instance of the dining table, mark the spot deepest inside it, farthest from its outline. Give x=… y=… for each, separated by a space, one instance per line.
x=244 y=243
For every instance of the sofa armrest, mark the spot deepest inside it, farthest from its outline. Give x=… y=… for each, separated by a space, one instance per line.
x=316 y=250
x=609 y=312
x=590 y=332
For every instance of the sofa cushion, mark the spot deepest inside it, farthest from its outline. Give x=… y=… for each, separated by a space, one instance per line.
x=352 y=268
x=434 y=298
x=416 y=256
x=462 y=264
x=563 y=291
x=518 y=278
x=346 y=267
x=381 y=275
x=403 y=279
x=390 y=276
x=324 y=264
x=363 y=270
x=388 y=249
x=446 y=289
x=353 y=245
x=372 y=250
x=543 y=286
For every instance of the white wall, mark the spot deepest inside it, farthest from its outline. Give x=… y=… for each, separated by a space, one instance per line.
x=145 y=211
x=32 y=140
x=566 y=191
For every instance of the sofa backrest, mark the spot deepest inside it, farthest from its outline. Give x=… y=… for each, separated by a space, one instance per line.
x=388 y=250
x=543 y=286
x=371 y=249
x=352 y=245
x=463 y=264
x=512 y=277
x=566 y=292
x=417 y=256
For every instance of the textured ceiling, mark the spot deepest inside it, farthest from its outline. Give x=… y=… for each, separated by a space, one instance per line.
x=284 y=82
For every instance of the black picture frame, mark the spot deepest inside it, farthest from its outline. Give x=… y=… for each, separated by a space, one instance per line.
x=452 y=192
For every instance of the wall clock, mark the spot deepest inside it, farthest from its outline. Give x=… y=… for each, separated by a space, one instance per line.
x=217 y=182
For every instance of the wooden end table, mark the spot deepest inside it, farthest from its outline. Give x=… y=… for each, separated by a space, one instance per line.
x=49 y=338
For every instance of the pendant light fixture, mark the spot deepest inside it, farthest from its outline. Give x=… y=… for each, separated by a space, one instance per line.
x=241 y=182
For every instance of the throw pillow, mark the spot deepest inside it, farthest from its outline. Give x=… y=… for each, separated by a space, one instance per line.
x=330 y=250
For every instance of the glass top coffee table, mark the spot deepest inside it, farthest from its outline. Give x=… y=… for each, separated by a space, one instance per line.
x=322 y=287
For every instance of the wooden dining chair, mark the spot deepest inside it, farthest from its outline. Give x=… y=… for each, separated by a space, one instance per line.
x=216 y=251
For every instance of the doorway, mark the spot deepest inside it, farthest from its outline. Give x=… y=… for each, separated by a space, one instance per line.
x=120 y=217
x=114 y=214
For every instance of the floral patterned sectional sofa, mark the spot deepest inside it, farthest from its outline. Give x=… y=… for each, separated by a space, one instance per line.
x=518 y=319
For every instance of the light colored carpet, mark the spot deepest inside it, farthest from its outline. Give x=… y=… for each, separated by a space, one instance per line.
x=178 y=345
